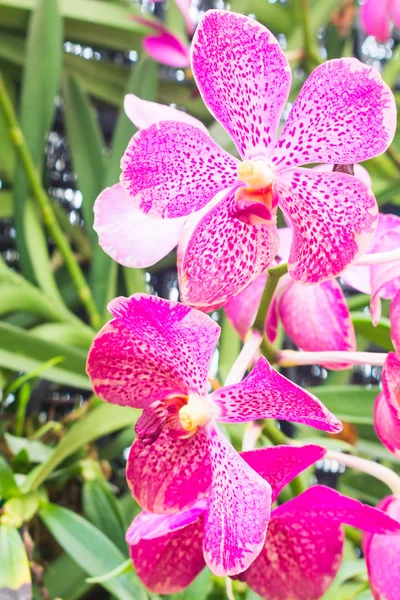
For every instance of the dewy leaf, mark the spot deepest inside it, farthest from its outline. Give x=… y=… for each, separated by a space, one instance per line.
x=42 y=66
x=91 y=549
x=15 y=575
x=348 y=403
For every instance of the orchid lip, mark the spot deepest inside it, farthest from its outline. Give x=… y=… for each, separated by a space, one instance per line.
x=197 y=412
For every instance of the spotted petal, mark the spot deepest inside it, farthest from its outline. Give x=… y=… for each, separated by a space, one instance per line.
x=243 y=77
x=266 y=394
x=224 y=255
x=317 y=318
x=381 y=553
x=143 y=113
x=238 y=510
x=167 y=550
x=151 y=349
x=304 y=544
x=170 y=474
x=127 y=235
x=333 y=218
x=387 y=407
x=172 y=169
x=344 y=114
x=375 y=18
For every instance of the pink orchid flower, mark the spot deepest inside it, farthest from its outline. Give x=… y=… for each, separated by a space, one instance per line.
x=155 y=354
x=380 y=280
x=377 y=15
x=302 y=550
x=382 y=555
x=164 y=46
x=344 y=114
x=387 y=404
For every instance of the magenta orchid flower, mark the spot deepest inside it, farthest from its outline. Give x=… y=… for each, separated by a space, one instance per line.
x=382 y=279
x=344 y=114
x=302 y=549
x=154 y=354
x=387 y=404
x=164 y=46
x=377 y=16
x=382 y=555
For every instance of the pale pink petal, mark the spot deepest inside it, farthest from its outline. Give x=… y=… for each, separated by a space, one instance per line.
x=168 y=558
x=359 y=171
x=333 y=216
x=243 y=77
x=280 y=464
x=317 y=318
x=266 y=394
x=304 y=544
x=358 y=278
x=238 y=510
x=143 y=113
x=170 y=474
x=153 y=348
x=387 y=405
x=184 y=7
x=375 y=18
x=285 y=238
x=395 y=322
x=385 y=278
x=241 y=310
x=382 y=556
x=127 y=235
x=167 y=49
x=224 y=255
x=344 y=114
x=172 y=169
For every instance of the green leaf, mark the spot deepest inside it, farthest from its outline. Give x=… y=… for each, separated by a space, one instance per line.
x=37 y=451
x=15 y=575
x=6 y=197
x=198 y=589
x=64 y=333
x=22 y=379
x=229 y=347
x=349 y=403
x=379 y=335
x=22 y=351
x=277 y=17
x=104 y=419
x=349 y=569
x=125 y=567
x=8 y=486
x=7 y=158
x=65 y=579
x=101 y=508
x=363 y=487
x=91 y=549
x=42 y=66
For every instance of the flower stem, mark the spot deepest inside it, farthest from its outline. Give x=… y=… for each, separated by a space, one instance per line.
x=45 y=206
x=241 y=364
x=379 y=258
x=387 y=476
x=291 y=358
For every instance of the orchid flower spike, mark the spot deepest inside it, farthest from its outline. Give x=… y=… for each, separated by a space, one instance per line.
x=387 y=404
x=344 y=114
x=377 y=16
x=302 y=549
x=154 y=355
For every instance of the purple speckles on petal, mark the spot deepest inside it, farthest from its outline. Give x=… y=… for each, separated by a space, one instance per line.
x=243 y=76
x=173 y=169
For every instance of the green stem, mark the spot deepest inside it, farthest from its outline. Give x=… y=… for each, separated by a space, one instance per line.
x=46 y=208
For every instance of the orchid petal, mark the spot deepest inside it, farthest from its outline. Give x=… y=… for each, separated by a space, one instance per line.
x=224 y=255
x=375 y=18
x=243 y=77
x=170 y=474
x=344 y=114
x=143 y=113
x=151 y=349
x=238 y=510
x=395 y=322
x=333 y=218
x=167 y=49
x=280 y=464
x=266 y=394
x=127 y=235
x=184 y=7
x=318 y=319
x=387 y=408
x=385 y=278
x=167 y=558
x=304 y=543
x=172 y=169
x=241 y=310
x=381 y=554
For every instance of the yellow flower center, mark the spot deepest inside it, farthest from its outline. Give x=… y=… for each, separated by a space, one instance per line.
x=256 y=173
x=196 y=412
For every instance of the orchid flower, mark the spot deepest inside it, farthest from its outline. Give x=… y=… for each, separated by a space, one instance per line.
x=377 y=15
x=302 y=549
x=387 y=404
x=382 y=555
x=344 y=114
x=154 y=355
x=164 y=47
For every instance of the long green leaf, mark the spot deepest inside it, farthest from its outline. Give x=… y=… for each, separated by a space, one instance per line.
x=8 y=486
x=91 y=549
x=39 y=88
x=65 y=579
x=7 y=156
x=379 y=335
x=15 y=576
x=104 y=419
x=349 y=403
